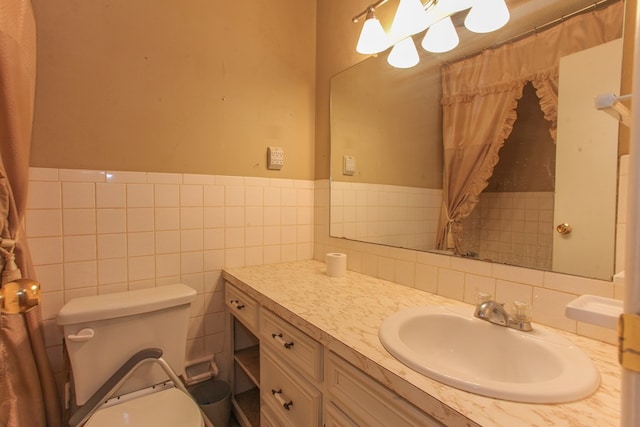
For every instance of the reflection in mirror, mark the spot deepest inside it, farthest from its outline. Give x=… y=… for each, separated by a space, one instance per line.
x=387 y=161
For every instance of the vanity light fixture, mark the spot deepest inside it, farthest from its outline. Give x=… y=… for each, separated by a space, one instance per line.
x=413 y=17
x=441 y=36
x=487 y=16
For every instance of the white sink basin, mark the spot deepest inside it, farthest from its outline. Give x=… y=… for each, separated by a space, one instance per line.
x=449 y=345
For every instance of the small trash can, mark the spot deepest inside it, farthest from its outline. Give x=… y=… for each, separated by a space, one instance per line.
x=214 y=397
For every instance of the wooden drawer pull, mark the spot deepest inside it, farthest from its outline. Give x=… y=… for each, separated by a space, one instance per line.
x=285 y=344
x=236 y=304
x=278 y=395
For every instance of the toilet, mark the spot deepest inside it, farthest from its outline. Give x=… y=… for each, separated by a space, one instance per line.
x=102 y=333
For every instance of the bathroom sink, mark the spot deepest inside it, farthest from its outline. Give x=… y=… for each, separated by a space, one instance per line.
x=450 y=345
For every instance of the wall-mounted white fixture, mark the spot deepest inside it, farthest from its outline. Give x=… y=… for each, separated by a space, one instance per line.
x=610 y=104
x=413 y=17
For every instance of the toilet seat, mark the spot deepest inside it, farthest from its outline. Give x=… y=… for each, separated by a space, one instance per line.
x=166 y=408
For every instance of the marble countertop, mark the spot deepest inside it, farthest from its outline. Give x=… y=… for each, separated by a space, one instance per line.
x=344 y=314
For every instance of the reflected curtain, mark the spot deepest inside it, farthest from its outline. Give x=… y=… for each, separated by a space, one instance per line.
x=480 y=97
x=28 y=395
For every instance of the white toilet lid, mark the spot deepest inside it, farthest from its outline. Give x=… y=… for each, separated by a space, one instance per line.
x=167 y=408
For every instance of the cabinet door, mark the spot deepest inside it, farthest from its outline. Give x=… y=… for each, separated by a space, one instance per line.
x=334 y=417
x=290 y=398
x=367 y=402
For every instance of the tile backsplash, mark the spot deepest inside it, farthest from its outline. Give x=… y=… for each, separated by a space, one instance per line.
x=94 y=232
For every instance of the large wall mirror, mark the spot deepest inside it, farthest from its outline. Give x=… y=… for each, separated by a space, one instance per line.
x=387 y=157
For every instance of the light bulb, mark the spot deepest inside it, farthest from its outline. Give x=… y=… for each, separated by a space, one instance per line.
x=410 y=19
x=404 y=54
x=441 y=37
x=486 y=16
x=372 y=39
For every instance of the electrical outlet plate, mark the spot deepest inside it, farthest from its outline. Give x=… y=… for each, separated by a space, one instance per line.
x=275 y=158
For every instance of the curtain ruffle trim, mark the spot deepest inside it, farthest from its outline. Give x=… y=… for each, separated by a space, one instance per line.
x=548 y=103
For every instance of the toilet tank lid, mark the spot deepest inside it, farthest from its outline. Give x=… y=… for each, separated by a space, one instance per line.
x=120 y=304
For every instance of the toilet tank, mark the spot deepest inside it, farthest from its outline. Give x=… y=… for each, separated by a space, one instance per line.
x=102 y=332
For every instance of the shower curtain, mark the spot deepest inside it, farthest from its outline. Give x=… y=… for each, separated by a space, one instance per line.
x=28 y=394
x=480 y=96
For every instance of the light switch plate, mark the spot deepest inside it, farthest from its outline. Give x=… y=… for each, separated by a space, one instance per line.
x=275 y=158
x=348 y=165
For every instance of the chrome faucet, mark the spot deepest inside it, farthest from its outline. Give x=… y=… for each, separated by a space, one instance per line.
x=494 y=312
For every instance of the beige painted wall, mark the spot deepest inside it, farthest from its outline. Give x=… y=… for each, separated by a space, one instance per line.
x=169 y=86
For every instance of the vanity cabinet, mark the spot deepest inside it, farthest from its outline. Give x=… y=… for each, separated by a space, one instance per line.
x=245 y=353
x=282 y=377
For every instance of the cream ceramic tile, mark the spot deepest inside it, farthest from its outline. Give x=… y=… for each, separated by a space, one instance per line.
x=140 y=244
x=167 y=218
x=192 y=262
x=234 y=237
x=46 y=250
x=234 y=195
x=214 y=238
x=254 y=196
x=272 y=196
x=164 y=178
x=51 y=304
x=168 y=265
x=288 y=234
x=198 y=179
x=140 y=195
x=254 y=236
x=78 y=175
x=451 y=283
x=44 y=195
x=167 y=195
x=167 y=242
x=79 y=221
x=234 y=256
x=80 y=275
x=271 y=254
x=169 y=280
x=577 y=285
x=126 y=177
x=213 y=260
x=288 y=253
x=140 y=219
x=214 y=217
x=405 y=272
x=234 y=216
x=227 y=180
x=508 y=292
x=518 y=274
x=304 y=234
x=191 y=218
x=88 y=291
x=213 y=195
x=43 y=174
x=141 y=268
x=191 y=195
x=111 y=220
x=79 y=248
x=141 y=284
x=112 y=288
x=288 y=216
x=112 y=245
x=254 y=216
x=50 y=277
x=191 y=240
x=549 y=307
x=78 y=195
x=272 y=235
x=288 y=197
x=272 y=215
x=111 y=195
x=253 y=255
x=43 y=222
x=111 y=271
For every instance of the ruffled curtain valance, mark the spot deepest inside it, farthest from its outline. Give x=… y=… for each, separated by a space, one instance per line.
x=480 y=97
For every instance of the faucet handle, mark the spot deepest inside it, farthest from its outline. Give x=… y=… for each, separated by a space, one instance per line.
x=522 y=311
x=483 y=297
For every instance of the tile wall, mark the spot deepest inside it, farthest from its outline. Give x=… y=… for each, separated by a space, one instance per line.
x=512 y=228
x=94 y=232
x=386 y=214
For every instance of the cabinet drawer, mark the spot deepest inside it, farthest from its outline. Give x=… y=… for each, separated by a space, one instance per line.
x=367 y=402
x=241 y=306
x=291 y=344
x=333 y=417
x=290 y=398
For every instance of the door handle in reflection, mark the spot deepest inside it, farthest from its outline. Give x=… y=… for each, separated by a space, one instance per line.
x=563 y=228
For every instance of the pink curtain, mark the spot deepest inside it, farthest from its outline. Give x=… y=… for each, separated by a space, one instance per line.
x=28 y=395
x=480 y=96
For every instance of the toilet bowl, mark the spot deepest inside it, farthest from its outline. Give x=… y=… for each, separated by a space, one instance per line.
x=105 y=334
